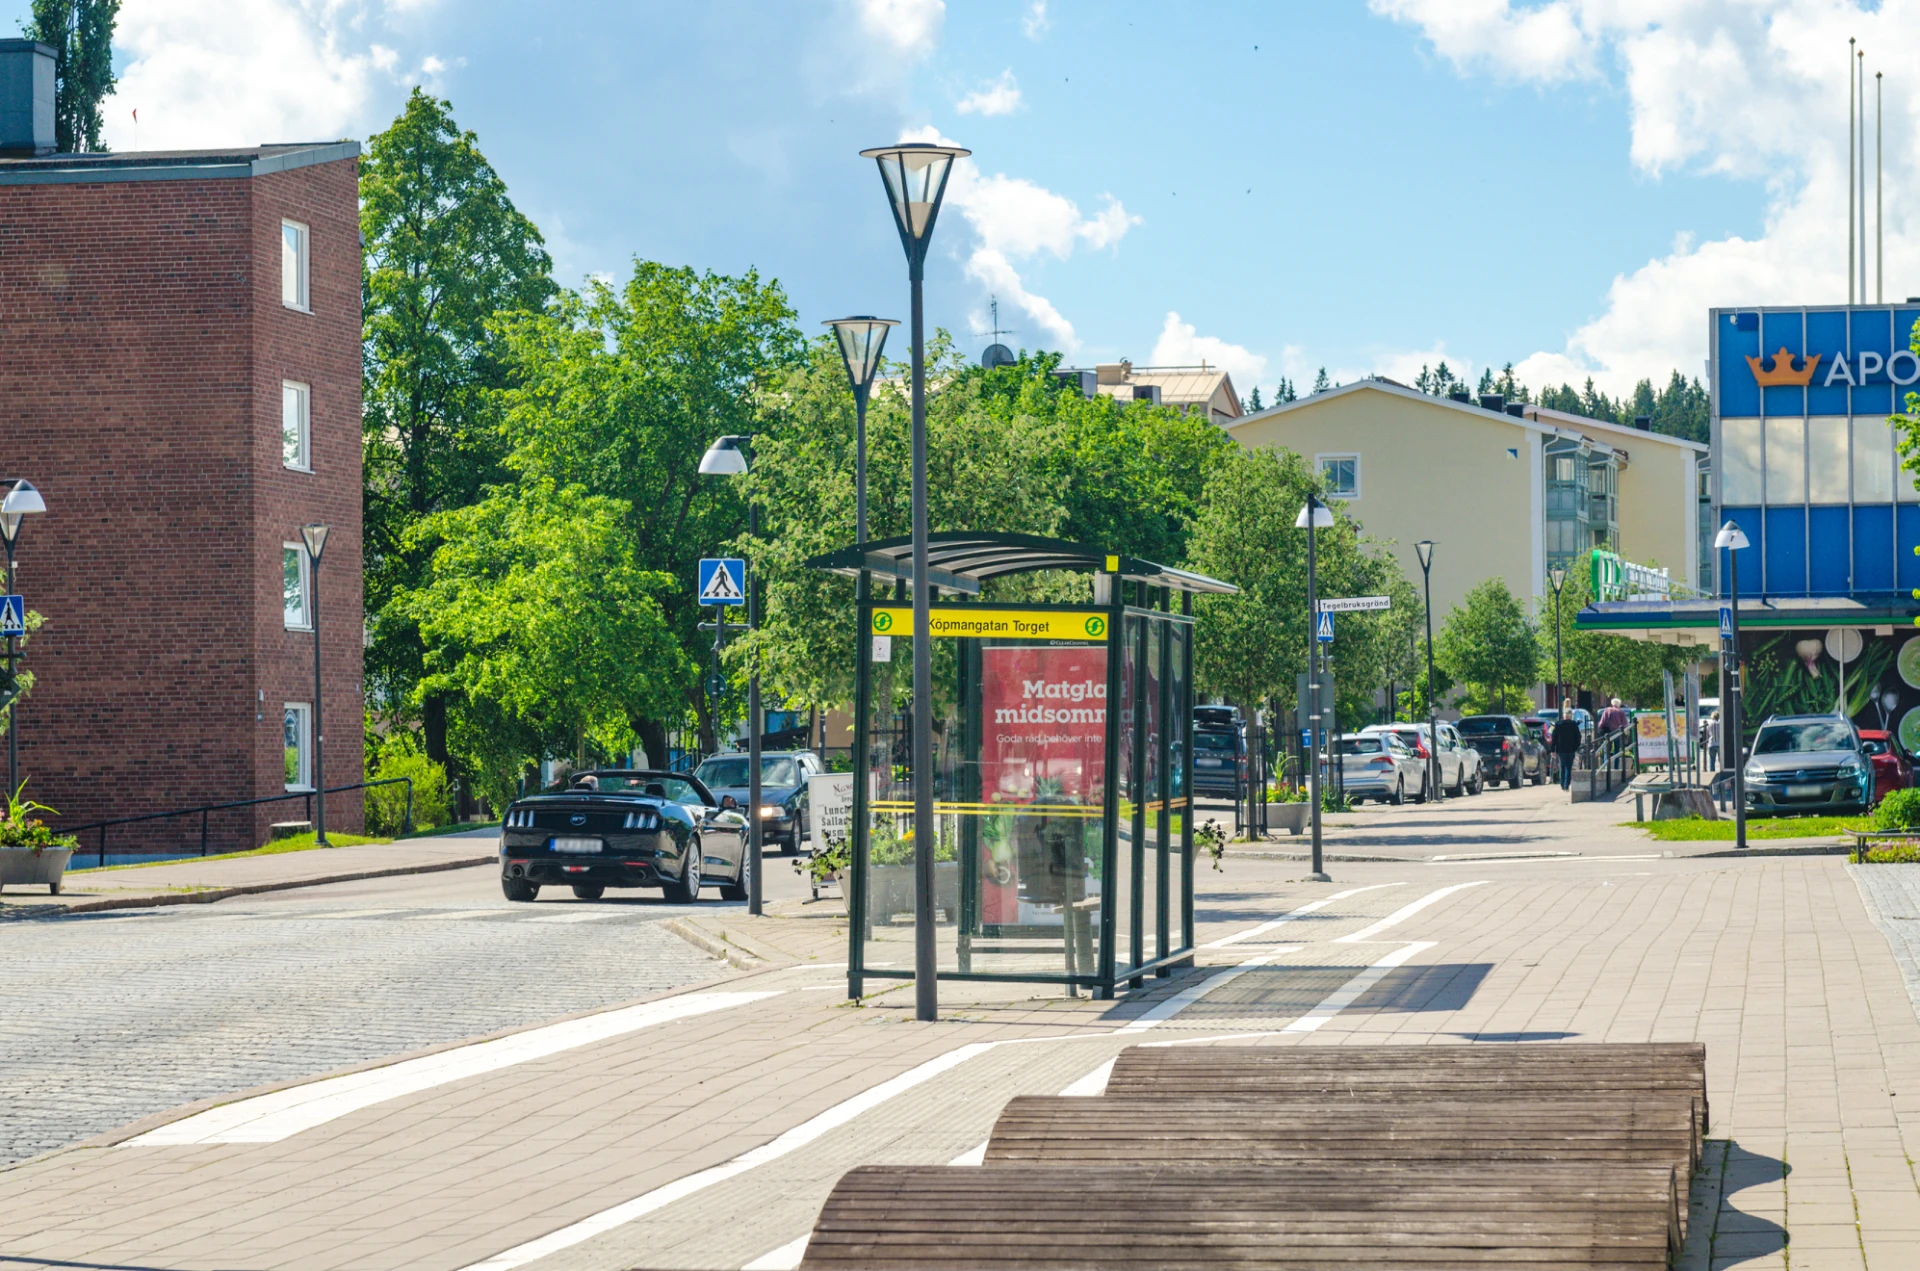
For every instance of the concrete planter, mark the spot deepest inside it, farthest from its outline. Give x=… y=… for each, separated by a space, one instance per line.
x=1294 y=818
x=25 y=865
x=890 y=889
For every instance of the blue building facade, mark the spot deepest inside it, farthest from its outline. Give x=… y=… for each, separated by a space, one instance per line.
x=1804 y=459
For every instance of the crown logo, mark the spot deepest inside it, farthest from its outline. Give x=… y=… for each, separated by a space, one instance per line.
x=1783 y=375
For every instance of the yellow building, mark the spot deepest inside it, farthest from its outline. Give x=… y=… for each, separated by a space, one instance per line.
x=1503 y=491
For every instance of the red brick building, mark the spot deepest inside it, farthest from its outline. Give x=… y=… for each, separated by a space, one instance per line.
x=180 y=377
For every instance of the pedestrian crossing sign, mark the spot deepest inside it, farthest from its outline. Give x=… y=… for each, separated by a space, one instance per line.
x=1323 y=630
x=1726 y=622
x=723 y=581
x=13 y=615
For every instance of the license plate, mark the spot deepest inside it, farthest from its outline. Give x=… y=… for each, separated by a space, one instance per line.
x=1208 y=763
x=576 y=845
x=1805 y=792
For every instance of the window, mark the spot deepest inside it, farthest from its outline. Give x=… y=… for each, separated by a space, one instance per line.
x=294 y=581
x=1786 y=460
x=295 y=417
x=297 y=737
x=1872 y=461
x=293 y=265
x=1827 y=464
x=1341 y=473
x=1740 y=462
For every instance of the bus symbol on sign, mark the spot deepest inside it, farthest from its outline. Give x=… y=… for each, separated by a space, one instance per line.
x=1096 y=626
x=882 y=622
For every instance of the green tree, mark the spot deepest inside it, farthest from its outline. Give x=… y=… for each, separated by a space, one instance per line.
x=620 y=390
x=1285 y=392
x=1320 y=381
x=1609 y=665
x=1490 y=645
x=445 y=252
x=81 y=33
x=541 y=621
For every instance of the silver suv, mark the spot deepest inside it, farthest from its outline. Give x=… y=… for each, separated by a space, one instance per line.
x=1808 y=763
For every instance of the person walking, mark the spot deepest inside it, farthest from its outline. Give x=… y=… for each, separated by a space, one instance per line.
x=1566 y=744
x=1612 y=719
x=1712 y=740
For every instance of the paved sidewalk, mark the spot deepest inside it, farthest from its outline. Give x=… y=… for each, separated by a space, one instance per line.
x=194 y=880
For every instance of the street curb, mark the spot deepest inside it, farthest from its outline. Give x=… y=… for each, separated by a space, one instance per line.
x=156 y=899
x=721 y=946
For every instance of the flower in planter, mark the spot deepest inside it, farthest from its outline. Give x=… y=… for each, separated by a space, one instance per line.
x=19 y=827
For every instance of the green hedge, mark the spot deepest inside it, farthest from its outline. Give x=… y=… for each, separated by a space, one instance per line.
x=386 y=805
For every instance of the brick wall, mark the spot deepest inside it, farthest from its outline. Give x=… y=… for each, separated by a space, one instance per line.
x=142 y=348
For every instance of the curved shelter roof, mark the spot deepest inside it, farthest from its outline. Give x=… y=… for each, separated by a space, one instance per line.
x=960 y=560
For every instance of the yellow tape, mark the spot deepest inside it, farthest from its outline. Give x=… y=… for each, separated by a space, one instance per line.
x=1013 y=624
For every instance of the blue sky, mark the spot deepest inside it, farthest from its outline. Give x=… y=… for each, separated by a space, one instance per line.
x=1359 y=186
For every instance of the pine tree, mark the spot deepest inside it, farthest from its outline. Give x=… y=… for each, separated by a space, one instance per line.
x=1285 y=393
x=1253 y=399
x=81 y=33
x=1320 y=382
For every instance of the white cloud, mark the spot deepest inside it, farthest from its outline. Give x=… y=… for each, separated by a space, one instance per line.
x=1035 y=21
x=1001 y=97
x=1180 y=345
x=237 y=72
x=1751 y=90
x=1405 y=365
x=1014 y=220
x=912 y=27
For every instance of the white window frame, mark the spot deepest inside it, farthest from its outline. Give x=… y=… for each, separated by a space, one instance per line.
x=296 y=274
x=306 y=587
x=302 y=430
x=303 y=769
x=1319 y=468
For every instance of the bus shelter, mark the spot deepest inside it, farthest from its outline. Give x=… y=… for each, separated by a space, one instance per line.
x=1062 y=736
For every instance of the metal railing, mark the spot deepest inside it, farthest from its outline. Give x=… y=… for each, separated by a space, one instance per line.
x=1611 y=754
x=203 y=810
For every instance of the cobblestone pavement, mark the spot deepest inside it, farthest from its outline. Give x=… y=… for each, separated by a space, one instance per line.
x=115 y=1016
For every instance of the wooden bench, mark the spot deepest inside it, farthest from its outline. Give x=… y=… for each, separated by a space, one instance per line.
x=1282 y=1215
x=1374 y=1074
x=1863 y=840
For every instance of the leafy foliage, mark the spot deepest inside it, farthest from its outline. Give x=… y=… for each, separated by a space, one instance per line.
x=1900 y=810
x=81 y=33
x=1610 y=665
x=20 y=825
x=1490 y=646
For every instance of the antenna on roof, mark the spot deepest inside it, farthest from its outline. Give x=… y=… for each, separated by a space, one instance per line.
x=996 y=354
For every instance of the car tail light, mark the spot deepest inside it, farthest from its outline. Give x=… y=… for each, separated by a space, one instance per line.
x=520 y=818
x=1506 y=747
x=643 y=819
x=1382 y=762
x=1420 y=749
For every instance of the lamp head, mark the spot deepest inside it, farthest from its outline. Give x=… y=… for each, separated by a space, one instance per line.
x=1730 y=535
x=726 y=457
x=1322 y=516
x=915 y=173
x=316 y=540
x=1425 y=550
x=21 y=500
x=1559 y=578
x=861 y=338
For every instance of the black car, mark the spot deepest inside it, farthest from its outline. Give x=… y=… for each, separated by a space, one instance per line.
x=1509 y=750
x=624 y=827
x=783 y=791
x=1219 y=761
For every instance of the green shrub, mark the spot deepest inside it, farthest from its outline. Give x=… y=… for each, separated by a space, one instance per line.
x=1898 y=811
x=387 y=805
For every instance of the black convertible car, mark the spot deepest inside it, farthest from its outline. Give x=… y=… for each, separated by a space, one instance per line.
x=624 y=827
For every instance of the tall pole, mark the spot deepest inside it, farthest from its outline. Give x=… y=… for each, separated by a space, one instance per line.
x=926 y=994
x=13 y=707
x=1732 y=692
x=754 y=724
x=860 y=471
x=1559 y=677
x=1879 y=191
x=1861 y=107
x=1433 y=727
x=319 y=730
x=1314 y=722
x=1851 y=141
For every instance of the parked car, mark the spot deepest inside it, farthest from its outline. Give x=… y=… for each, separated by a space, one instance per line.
x=1458 y=771
x=1381 y=766
x=1808 y=763
x=784 y=818
x=1218 y=717
x=1219 y=760
x=1509 y=751
x=624 y=827
x=1470 y=780
x=1890 y=768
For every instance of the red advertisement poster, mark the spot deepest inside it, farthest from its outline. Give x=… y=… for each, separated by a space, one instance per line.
x=1043 y=745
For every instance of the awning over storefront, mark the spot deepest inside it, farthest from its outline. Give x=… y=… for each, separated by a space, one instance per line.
x=1697 y=620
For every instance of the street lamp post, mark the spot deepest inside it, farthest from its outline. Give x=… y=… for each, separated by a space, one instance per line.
x=1314 y=517
x=1558 y=578
x=21 y=500
x=315 y=537
x=1425 y=549
x=861 y=339
x=732 y=456
x=1730 y=539
x=915 y=174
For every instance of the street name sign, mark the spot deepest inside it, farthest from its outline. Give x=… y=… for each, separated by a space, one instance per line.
x=723 y=581
x=1355 y=604
x=13 y=615
x=978 y=622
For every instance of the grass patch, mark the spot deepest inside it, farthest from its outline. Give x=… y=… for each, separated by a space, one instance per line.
x=1700 y=830
x=298 y=843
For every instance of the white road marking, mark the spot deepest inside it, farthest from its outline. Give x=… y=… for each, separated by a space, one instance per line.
x=339 y=913
x=1349 y=992
x=1090 y=1086
x=455 y=915
x=1502 y=856
x=1192 y=993
x=269 y=1118
x=785 y=1258
x=1405 y=912
x=1302 y=911
x=583 y=915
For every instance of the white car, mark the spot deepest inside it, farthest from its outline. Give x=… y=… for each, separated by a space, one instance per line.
x=1458 y=764
x=1380 y=766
